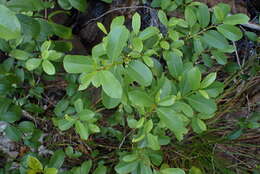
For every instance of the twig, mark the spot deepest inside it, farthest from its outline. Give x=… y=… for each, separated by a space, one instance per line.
x=237 y=56
x=252 y=26
x=112 y=10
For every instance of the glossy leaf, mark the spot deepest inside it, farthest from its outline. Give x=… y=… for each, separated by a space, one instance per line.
x=153 y=142
x=173 y=121
x=13 y=133
x=48 y=67
x=172 y=171
x=81 y=5
x=140 y=98
x=136 y=23
x=125 y=168
x=117 y=40
x=33 y=63
x=10 y=26
x=110 y=84
x=190 y=16
x=200 y=104
x=230 y=32
x=109 y=102
x=57 y=159
x=34 y=163
x=194 y=78
x=203 y=15
x=100 y=170
x=236 y=19
x=198 y=125
x=140 y=73
x=77 y=64
x=208 y=80
x=215 y=39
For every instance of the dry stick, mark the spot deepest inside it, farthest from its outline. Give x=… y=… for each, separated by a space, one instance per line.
x=115 y=9
x=252 y=26
x=237 y=56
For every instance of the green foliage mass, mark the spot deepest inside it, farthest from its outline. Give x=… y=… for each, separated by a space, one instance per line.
x=156 y=85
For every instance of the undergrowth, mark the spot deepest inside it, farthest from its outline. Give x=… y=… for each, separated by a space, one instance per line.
x=144 y=101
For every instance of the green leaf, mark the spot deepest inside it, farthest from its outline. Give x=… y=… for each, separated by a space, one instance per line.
x=33 y=63
x=77 y=64
x=85 y=80
x=172 y=171
x=153 y=142
x=194 y=78
x=140 y=98
x=140 y=73
x=220 y=57
x=54 y=55
x=174 y=63
x=117 y=22
x=173 y=121
x=230 y=32
x=28 y=5
x=251 y=35
x=208 y=80
x=109 y=102
x=80 y=5
x=148 y=61
x=195 y=170
x=198 y=47
x=34 y=163
x=198 y=125
x=145 y=168
x=130 y=158
x=10 y=26
x=82 y=130
x=50 y=171
x=61 y=30
x=165 y=45
x=221 y=11
x=19 y=54
x=203 y=15
x=48 y=67
x=30 y=27
x=215 y=89
x=117 y=40
x=110 y=84
x=137 y=44
x=215 y=39
x=185 y=108
x=85 y=167
x=93 y=128
x=236 y=19
x=219 y=14
x=65 y=4
x=148 y=32
x=163 y=17
x=201 y=104
x=78 y=104
x=125 y=168
x=65 y=124
x=190 y=15
x=13 y=133
x=12 y=115
x=101 y=169
x=26 y=126
x=57 y=159
x=136 y=23
x=107 y=1
x=167 y=101
x=102 y=27
x=86 y=115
